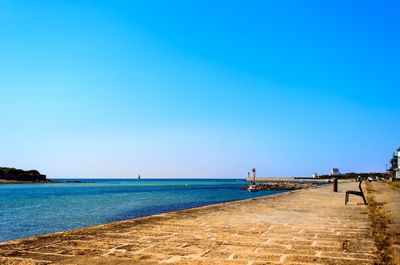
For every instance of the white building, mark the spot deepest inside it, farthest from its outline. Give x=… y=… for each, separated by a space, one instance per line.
x=315 y=175
x=335 y=172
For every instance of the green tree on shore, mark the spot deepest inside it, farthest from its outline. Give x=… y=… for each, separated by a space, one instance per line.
x=394 y=164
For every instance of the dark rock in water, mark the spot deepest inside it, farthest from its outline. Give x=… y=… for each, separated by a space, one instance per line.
x=280 y=186
x=13 y=174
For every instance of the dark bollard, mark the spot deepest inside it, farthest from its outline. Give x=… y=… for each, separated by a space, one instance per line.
x=335 y=184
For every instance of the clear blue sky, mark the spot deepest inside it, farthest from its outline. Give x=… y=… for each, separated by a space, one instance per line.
x=198 y=88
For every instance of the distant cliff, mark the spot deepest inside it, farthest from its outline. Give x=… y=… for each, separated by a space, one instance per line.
x=13 y=174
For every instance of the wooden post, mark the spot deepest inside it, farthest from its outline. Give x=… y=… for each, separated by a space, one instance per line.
x=335 y=185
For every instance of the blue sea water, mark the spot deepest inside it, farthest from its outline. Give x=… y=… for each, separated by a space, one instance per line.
x=34 y=209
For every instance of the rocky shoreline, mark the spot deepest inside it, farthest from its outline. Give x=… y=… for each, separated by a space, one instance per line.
x=5 y=181
x=280 y=186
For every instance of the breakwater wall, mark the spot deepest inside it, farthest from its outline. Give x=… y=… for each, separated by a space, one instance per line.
x=261 y=180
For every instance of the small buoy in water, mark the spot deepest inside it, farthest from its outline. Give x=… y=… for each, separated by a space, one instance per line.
x=186 y=185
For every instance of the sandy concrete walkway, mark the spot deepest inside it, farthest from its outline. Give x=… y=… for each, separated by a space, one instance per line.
x=390 y=198
x=303 y=227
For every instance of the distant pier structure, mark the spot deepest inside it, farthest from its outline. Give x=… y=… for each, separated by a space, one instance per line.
x=265 y=180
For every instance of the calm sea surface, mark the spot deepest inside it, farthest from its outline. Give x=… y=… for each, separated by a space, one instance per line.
x=34 y=209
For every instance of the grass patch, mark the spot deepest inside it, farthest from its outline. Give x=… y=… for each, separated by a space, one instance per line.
x=380 y=221
x=395 y=184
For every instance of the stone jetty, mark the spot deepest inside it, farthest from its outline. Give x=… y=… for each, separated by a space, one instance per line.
x=280 y=186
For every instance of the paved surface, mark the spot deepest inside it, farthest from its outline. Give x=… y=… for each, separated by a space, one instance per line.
x=390 y=198
x=303 y=227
